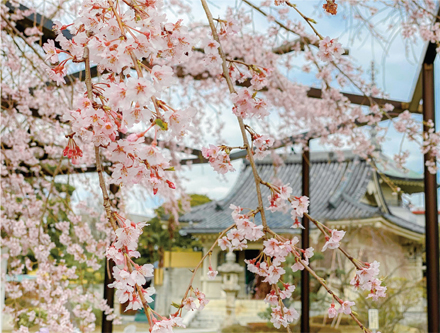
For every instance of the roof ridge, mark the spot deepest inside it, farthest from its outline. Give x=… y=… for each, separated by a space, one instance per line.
x=317 y=156
x=360 y=205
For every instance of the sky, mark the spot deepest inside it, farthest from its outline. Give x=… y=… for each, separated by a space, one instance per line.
x=396 y=72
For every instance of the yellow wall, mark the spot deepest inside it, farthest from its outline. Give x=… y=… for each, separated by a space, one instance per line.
x=181 y=259
x=184 y=259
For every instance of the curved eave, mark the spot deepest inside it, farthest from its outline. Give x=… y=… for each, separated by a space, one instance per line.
x=205 y=231
x=409 y=180
x=416 y=233
x=409 y=185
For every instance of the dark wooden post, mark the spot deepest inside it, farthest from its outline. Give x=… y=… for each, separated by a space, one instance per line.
x=431 y=208
x=305 y=279
x=109 y=293
x=109 y=296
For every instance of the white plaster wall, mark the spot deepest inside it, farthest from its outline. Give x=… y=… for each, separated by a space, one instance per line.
x=174 y=286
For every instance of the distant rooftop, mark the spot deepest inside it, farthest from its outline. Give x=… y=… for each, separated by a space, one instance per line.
x=336 y=191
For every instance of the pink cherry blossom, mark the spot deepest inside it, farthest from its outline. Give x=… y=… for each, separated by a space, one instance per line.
x=346 y=307
x=333 y=242
x=218 y=159
x=210 y=46
x=163 y=76
x=51 y=51
x=329 y=49
x=332 y=311
x=224 y=243
x=285 y=191
x=211 y=273
x=300 y=205
x=308 y=253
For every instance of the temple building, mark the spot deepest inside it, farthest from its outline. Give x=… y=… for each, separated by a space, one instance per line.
x=350 y=195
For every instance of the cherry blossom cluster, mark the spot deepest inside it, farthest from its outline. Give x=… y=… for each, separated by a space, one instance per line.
x=406 y=124
x=42 y=230
x=333 y=241
x=245 y=229
x=401 y=158
x=262 y=144
x=218 y=158
x=417 y=20
x=135 y=163
x=273 y=299
x=247 y=105
x=166 y=325
x=125 y=283
x=280 y=198
x=282 y=316
x=228 y=27
x=431 y=147
x=300 y=263
x=345 y=308
x=211 y=60
x=269 y=265
x=366 y=279
x=56 y=277
x=122 y=249
x=330 y=49
x=189 y=303
x=259 y=77
x=116 y=39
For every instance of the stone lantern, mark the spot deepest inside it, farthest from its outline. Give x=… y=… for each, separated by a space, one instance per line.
x=230 y=272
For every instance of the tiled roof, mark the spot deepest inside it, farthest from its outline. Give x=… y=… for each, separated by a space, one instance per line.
x=336 y=192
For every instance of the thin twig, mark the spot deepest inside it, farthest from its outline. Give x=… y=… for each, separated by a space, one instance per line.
x=203 y=258
x=57 y=170
x=307 y=19
x=18 y=33
x=320 y=280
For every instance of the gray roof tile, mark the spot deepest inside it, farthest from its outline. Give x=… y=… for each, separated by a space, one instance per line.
x=336 y=189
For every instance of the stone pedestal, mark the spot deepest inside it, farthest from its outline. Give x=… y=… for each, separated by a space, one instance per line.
x=230 y=272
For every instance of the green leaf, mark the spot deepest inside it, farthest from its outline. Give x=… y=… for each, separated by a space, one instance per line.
x=163 y=125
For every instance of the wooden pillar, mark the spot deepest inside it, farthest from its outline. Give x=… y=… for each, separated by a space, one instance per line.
x=109 y=296
x=431 y=203
x=109 y=293
x=305 y=279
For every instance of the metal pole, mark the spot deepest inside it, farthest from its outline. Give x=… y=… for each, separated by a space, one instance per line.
x=305 y=279
x=431 y=208
x=109 y=293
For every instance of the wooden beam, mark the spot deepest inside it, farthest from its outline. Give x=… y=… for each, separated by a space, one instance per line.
x=38 y=20
x=290 y=46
